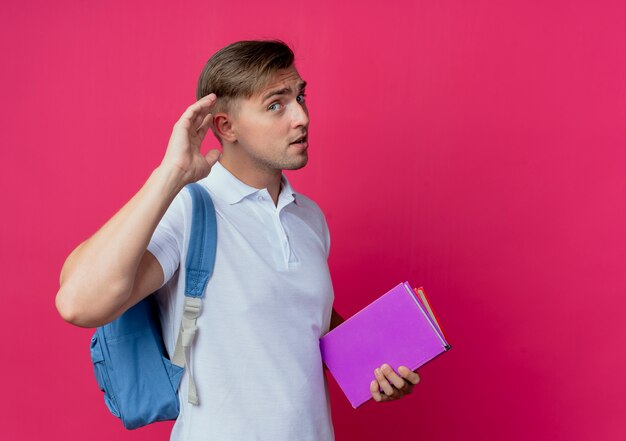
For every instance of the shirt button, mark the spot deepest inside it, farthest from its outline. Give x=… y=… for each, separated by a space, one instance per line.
x=261 y=197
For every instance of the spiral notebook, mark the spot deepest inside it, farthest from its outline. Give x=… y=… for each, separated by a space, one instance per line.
x=399 y=328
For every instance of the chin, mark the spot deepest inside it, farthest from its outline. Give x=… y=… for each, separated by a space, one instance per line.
x=297 y=165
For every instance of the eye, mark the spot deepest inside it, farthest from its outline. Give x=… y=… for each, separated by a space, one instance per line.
x=273 y=106
x=302 y=95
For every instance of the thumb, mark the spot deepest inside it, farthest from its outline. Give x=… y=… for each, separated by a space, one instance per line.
x=212 y=156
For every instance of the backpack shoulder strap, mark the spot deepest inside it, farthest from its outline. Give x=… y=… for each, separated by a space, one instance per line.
x=198 y=268
x=202 y=242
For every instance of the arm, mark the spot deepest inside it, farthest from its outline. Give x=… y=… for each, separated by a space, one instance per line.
x=335 y=320
x=112 y=270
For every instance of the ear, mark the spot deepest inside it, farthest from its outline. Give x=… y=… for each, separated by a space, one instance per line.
x=224 y=127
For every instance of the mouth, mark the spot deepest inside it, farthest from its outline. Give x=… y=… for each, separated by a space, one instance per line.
x=302 y=141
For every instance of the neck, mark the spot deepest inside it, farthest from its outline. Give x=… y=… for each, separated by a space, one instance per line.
x=251 y=174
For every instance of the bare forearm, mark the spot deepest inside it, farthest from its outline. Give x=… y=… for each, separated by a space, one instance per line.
x=99 y=274
x=112 y=270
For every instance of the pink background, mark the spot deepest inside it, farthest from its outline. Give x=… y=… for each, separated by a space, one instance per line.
x=475 y=148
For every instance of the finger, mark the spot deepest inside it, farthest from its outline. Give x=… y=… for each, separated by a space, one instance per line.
x=205 y=125
x=201 y=113
x=202 y=106
x=375 y=392
x=384 y=384
x=198 y=109
x=198 y=119
x=407 y=373
x=394 y=378
x=212 y=156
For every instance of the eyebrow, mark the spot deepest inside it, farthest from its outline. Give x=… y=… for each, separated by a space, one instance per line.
x=282 y=91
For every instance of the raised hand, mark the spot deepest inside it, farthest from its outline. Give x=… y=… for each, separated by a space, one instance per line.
x=183 y=150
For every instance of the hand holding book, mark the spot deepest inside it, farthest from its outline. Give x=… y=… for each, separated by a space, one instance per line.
x=399 y=328
x=388 y=385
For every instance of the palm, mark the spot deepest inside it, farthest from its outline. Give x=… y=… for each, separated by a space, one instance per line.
x=183 y=151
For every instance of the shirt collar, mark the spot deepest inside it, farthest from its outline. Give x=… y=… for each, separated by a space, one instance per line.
x=287 y=191
x=232 y=190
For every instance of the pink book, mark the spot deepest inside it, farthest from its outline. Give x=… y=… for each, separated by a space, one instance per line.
x=399 y=328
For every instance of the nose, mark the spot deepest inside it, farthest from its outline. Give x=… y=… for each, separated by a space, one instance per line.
x=299 y=115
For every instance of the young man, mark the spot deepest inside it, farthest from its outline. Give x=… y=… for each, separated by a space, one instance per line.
x=256 y=359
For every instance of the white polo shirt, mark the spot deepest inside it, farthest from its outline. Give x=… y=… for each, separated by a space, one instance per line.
x=256 y=358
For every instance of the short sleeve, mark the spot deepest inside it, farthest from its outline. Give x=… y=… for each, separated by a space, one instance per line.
x=326 y=234
x=167 y=242
x=313 y=215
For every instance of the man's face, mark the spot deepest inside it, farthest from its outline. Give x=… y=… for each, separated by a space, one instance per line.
x=268 y=123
